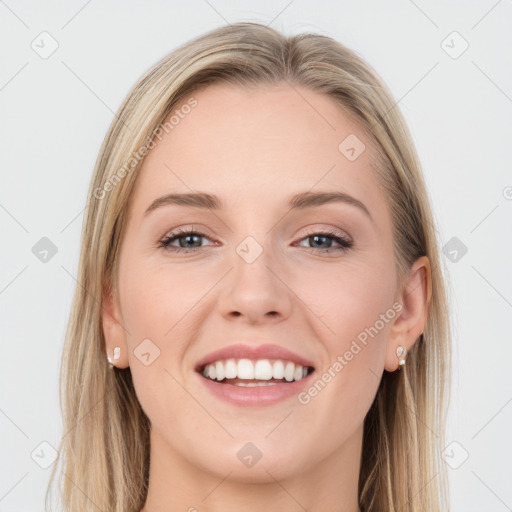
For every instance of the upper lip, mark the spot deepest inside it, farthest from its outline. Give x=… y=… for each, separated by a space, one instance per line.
x=241 y=351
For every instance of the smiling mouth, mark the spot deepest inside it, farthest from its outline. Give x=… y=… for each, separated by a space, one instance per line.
x=254 y=373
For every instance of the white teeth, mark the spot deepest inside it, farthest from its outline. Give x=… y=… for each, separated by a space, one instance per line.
x=262 y=369
x=289 y=372
x=211 y=371
x=219 y=370
x=245 y=369
x=278 y=370
x=230 y=369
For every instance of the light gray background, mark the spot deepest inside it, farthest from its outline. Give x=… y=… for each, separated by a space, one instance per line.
x=54 y=115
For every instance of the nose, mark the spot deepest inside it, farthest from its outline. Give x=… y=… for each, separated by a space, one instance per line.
x=256 y=291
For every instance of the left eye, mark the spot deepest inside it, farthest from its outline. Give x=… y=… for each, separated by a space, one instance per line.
x=193 y=237
x=343 y=242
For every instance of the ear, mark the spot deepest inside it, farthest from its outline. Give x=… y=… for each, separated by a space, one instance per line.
x=410 y=324
x=113 y=329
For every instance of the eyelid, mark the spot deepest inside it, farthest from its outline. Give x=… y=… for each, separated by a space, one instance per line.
x=186 y=229
x=331 y=231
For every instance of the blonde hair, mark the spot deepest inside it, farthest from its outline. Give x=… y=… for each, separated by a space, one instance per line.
x=104 y=451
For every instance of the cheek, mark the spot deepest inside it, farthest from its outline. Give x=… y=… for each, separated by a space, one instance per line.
x=161 y=304
x=157 y=300
x=155 y=306
x=353 y=308
x=352 y=305
x=347 y=299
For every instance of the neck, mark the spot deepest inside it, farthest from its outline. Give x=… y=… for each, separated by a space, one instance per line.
x=177 y=484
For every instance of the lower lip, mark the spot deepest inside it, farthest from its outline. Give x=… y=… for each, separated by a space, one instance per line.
x=257 y=395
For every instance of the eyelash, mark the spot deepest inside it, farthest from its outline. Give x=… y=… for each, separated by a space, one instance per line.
x=345 y=243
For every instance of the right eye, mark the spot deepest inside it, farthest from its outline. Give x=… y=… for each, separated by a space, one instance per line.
x=189 y=235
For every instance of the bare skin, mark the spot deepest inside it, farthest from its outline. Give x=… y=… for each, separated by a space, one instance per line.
x=254 y=148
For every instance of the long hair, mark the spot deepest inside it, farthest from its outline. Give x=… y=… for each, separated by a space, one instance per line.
x=104 y=451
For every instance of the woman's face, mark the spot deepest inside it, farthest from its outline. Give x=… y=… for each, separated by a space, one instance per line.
x=257 y=272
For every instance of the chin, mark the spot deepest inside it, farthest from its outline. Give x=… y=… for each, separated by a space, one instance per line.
x=260 y=461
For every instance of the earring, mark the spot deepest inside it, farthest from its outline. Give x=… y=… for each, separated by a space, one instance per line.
x=117 y=355
x=400 y=353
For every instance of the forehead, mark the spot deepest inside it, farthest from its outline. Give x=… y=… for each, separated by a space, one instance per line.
x=258 y=144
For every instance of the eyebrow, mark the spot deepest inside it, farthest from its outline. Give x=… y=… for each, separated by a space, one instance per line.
x=298 y=201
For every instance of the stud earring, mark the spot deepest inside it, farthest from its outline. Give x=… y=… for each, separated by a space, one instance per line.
x=400 y=353
x=117 y=355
